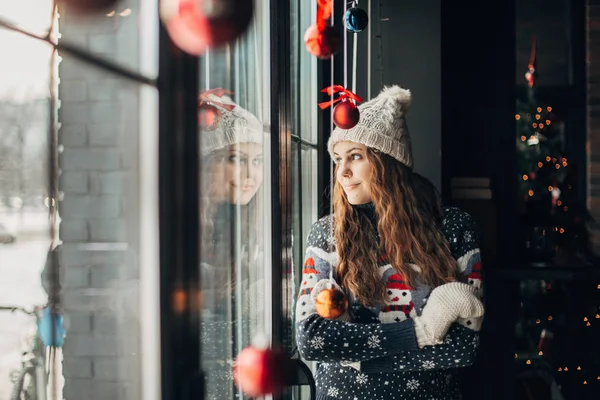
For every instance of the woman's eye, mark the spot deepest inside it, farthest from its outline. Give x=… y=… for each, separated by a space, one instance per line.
x=257 y=161
x=237 y=160
x=355 y=157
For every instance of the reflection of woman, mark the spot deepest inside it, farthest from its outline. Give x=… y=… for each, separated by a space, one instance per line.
x=400 y=258
x=231 y=176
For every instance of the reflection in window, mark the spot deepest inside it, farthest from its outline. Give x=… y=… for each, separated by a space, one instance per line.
x=234 y=209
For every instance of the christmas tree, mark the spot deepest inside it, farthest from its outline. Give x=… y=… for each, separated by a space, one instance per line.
x=555 y=221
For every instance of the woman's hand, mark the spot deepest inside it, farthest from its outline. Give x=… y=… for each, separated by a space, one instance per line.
x=446 y=304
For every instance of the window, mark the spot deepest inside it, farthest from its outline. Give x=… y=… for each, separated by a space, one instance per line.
x=235 y=211
x=110 y=195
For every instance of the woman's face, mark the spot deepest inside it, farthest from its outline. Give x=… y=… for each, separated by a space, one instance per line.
x=237 y=173
x=353 y=171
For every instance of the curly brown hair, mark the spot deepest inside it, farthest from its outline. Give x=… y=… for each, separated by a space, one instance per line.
x=409 y=225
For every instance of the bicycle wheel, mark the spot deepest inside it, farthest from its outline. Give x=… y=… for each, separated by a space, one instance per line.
x=24 y=384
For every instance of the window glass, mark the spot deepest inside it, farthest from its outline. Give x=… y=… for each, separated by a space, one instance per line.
x=233 y=115
x=95 y=148
x=24 y=224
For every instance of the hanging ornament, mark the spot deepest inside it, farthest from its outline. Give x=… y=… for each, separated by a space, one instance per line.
x=356 y=20
x=331 y=303
x=208 y=108
x=531 y=75
x=86 y=6
x=208 y=115
x=259 y=371
x=196 y=25
x=322 y=42
x=345 y=114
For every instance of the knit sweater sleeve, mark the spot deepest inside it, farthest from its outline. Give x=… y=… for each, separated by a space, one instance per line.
x=461 y=343
x=321 y=339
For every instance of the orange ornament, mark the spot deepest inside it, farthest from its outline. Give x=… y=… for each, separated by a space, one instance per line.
x=345 y=115
x=331 y=303
x=322 y=41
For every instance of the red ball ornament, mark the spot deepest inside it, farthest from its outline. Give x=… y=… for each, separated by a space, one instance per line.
x=331 y=303
x=86 y=6
x=322 y=42
x=196 y=25
x=208 y=115
x=345 y=115
x=258 y=371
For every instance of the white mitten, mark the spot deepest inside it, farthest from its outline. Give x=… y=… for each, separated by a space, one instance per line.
x=447 y=303
x=328 y=284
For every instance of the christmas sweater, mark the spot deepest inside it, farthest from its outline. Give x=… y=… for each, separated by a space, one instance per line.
x=383 y=338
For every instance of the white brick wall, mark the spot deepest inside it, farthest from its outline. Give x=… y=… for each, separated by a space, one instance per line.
x=98 y=136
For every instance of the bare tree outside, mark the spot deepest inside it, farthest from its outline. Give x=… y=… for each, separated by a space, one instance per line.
x=23 y=128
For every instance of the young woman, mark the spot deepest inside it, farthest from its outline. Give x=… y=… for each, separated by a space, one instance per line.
x=401 y=259
x=231 y=179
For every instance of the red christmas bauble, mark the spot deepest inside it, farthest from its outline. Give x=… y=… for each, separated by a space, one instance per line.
x=345 y=115
x=322 y=43
x=258 y=372
x=208 y=115
x=196 y=25
x=87 y=6
x=331 y=303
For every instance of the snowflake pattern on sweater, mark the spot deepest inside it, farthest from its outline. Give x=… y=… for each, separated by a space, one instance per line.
x=382 y=338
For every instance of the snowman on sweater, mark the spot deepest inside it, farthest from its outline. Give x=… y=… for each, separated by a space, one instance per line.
x=399 y=306
x=309 y=275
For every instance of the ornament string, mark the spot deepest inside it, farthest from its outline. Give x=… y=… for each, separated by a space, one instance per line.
x=354 y=53
x=345 y=48
x=331 y=242
x=369 y=40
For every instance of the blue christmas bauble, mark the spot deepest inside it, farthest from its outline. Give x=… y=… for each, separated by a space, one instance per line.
x=356 y=19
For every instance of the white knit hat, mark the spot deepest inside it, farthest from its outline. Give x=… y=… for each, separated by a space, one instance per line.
x=382 y=125
x=231 y=127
